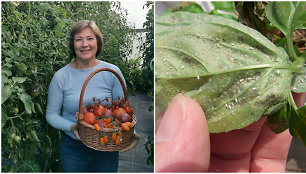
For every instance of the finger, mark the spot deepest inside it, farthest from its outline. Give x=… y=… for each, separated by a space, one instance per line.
x=230 y=151
x=77 y=135
x=299 y=98
x=270 y=151
x=76 y=132
x=182 y=139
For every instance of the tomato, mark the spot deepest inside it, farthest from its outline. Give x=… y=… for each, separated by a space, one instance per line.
x=129 y=110
x=109 y=119
x=107 y=113
x=119 y=111
x=129 y=124
x=90 y=118
x=120 y=133
x=102 y=141
x=114 y=136
x=124 y=117
x=105 y=139
x=125 y=127
x=97 y=127
x=99 y=110
x=117 y=142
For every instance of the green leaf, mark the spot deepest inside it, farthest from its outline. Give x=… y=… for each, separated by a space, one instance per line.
x=34 y=135
x=26 y=99
x=11 y=54
x=6 y=71
x=232 y=71
x=59 y=28
x=19 y=79
x=5 y=93
x=44 y=7
x=279 y=13
x=228 y=6
x=61 y=10
x=297 y=122
x=287 y=16
x=21 y=66
x=152 y=65
x=299 y=82
x=278 y=122
x=298 y=19
x=302 y=112
x=191 y=7
x=194 y=8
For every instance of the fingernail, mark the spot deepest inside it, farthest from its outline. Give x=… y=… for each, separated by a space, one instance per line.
x=172 y=119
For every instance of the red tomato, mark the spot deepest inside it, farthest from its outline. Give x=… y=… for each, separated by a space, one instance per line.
x=105 y=139
x=97 y=127
x=90 y=118
x=119 y=111
x=120 y=133
x=129 y=110
x=99 y=110
x=102 y=142
x=114 y=136
x=117 y=142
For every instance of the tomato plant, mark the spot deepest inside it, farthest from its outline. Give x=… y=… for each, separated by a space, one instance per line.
x=34 y=46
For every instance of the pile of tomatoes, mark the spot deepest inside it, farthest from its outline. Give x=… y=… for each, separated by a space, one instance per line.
x=117 y=114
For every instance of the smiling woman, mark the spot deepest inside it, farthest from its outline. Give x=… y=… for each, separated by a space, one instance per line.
x=85 y=44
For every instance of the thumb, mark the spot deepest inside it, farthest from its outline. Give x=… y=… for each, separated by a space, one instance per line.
x=182 y=139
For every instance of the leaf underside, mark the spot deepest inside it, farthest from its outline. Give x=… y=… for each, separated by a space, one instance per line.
x=232 y=71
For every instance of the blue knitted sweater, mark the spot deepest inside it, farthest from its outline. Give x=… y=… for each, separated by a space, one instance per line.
x=65 y=88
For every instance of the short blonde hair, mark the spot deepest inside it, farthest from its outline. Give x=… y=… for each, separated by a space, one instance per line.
x=78 y=27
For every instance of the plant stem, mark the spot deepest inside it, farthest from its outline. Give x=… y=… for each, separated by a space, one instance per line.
x=290 y=40
x=291 y=47
x=291 y=101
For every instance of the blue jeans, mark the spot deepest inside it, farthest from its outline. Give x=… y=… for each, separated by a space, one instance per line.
x=77 y=157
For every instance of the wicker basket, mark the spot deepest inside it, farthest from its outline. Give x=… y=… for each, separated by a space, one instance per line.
x=91 y=137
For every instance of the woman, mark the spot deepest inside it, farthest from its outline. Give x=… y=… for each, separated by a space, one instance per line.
x=85 y=43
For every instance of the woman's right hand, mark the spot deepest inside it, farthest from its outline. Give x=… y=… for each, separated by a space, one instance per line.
x=74 y=130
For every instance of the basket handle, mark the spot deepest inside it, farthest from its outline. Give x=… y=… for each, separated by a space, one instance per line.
x=90 y=76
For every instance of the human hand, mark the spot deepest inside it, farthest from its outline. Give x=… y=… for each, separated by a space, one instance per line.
x=184 y=145
x=74 y=130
